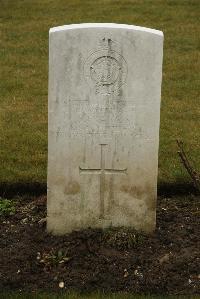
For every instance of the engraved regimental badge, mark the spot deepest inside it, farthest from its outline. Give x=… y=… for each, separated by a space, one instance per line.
x=105 y=69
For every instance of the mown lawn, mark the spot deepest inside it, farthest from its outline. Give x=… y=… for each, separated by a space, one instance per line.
x=24 y=77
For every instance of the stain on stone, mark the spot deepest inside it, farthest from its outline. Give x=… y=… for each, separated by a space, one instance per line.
x=135 y=191
x=141 y=194
x=150 y=202
x=72 y=188
x=132 y=190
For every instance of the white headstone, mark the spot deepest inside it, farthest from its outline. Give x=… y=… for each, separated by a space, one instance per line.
x=104 y=111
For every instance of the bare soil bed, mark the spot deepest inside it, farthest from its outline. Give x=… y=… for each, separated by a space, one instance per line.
x=166 y=262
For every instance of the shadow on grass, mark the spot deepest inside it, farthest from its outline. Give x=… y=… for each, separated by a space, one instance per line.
x=8 y=190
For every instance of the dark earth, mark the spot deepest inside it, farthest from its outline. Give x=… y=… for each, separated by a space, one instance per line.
x=116 y=260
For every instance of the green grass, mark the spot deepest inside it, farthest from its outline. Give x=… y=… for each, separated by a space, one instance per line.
x=24 y=76
x=7 y=207
x=92 y=296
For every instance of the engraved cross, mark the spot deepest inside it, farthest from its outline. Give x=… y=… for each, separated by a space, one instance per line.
x=102 y=171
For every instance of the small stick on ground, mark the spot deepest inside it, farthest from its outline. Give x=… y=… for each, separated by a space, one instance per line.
x=192 y=172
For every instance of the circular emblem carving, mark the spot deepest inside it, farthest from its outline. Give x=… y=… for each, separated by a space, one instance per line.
x=105 y=70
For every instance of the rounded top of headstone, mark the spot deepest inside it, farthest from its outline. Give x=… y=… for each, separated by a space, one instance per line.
x=105 y=26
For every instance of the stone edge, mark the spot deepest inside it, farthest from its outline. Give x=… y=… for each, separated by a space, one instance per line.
x=106 y=26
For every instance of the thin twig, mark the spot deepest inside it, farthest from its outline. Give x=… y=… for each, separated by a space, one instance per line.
x=193 y=173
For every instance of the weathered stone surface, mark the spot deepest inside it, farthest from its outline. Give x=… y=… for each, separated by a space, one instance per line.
x=104 y=111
